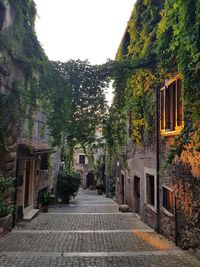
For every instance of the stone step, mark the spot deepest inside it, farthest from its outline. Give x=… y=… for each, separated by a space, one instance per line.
x=32 y=214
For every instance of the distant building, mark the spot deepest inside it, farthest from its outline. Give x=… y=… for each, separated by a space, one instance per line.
x=86 y=163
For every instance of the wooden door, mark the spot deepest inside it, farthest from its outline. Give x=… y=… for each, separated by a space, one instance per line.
x=122 y=188
x=137 y=194
x=27 y=183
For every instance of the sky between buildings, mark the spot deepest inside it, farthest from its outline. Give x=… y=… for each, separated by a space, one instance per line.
x=82 y=29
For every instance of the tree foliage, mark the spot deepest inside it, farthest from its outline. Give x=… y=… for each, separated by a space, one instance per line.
x=74 y=94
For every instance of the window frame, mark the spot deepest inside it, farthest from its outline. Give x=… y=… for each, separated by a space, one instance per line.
x=150 y=189
x=150 y=172
x=163 y=109
x=167 y=211
x=79 y=161
x=44 y=162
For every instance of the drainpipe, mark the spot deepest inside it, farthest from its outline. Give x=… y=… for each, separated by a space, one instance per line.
x=175 y=221
x=15 y=193
x=158 y=156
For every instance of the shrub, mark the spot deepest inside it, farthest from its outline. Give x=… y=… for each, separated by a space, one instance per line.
x=6 y=188
x=46 y=199
x=68 y=185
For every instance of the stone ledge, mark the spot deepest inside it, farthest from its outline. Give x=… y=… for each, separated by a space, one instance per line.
x=31 y=215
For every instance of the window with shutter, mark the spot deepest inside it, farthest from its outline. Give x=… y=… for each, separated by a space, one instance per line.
x=171 y=107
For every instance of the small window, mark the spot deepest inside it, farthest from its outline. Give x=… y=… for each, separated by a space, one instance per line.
x=82 y=159
x=61 y=167
x=168 y=200
x=44 y=162
x=150 y=189
x=171 y=107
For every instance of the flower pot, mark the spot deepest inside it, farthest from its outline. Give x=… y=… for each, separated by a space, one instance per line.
x=45 y=208
x=1 y=232
x=6 y=223
x=65 y=199
x=99 y=192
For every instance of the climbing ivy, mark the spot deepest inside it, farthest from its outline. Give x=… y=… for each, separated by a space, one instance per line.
x=178 y=48
x=167 y=34
x=162 y=39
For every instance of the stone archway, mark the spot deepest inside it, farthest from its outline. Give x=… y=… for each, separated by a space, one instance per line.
x=90 y=180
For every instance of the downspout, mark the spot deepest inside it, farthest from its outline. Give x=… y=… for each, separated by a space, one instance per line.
x=15 y=193
x=158 y=157
x=175 y=221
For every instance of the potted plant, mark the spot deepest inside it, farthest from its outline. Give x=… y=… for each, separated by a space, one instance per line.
x=100 y=186
x=68 y=185
x=6 y=205
x=45 y=200
x=100 y=189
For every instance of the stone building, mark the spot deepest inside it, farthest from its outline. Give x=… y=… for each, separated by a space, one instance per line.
x=87 y=161
x=22 y=157
x=37 y=166
x=80 y=164
x=166 y=198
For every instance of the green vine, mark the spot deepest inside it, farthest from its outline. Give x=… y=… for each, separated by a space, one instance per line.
x=167 y=33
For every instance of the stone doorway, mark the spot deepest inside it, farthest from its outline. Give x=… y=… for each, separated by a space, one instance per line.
x=137 y=194
x=90 y=180
x=27 y=184
x=122 y=188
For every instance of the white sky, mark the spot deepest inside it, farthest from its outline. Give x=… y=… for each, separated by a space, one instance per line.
x=84 y=29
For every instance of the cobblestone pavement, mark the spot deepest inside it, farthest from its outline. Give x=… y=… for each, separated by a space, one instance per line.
x=89 y=232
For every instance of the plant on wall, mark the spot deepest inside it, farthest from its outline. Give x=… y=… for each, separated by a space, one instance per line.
x=6 y=188
x=155 y=34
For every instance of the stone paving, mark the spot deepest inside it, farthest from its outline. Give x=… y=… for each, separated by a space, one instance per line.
x=89 y=232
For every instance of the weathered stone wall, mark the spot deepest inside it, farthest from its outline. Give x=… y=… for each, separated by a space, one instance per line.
x=8 y=74
x=187 y=191
x=138 y=161
x=149 y=216
x=183 y=224
x=129 y=191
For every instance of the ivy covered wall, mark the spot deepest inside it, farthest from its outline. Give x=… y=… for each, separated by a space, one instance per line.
x=20 y=58
x=163 y=37
x=161 y=41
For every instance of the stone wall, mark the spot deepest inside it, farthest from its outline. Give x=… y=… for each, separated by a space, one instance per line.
x=182 y=177
x=187 y=191
x=150 y=216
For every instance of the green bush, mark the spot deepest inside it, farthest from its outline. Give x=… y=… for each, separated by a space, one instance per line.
x=6 y=208
x=68 y=184
x=6 y=186
x=46 y=199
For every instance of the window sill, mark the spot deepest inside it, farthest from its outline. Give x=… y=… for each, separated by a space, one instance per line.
x=167 y=212
x=151 y=207
x=171 y=133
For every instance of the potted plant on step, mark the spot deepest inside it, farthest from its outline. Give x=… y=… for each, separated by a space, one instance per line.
x=100 y=186
x=6 y=205
x=67 y=185
x=45 y=200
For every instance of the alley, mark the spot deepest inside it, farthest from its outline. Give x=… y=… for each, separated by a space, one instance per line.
x=89 y=232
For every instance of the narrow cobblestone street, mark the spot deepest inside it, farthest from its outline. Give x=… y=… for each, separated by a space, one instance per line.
x=88 y=232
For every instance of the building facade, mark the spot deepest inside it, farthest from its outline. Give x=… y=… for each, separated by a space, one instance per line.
x=27 y=159
x=161 y=178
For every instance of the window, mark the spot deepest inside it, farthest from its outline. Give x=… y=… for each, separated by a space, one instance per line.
x=168 y=199
x=44 y=162
x=150 y=189
x=61 y=167
x=82 y=159
x=171 y=107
